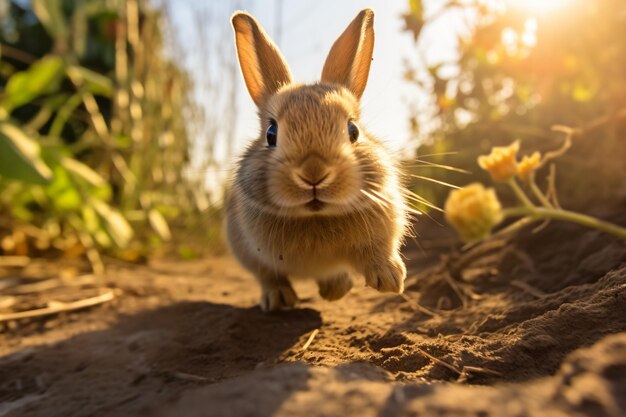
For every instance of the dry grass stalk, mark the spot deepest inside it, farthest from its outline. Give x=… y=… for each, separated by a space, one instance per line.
x=415 y=306
x=439 y=361
x=14 y=261
x=535 y=292
x=310 y=339
x=468 y=370
x=55 y=307
x=189 y=377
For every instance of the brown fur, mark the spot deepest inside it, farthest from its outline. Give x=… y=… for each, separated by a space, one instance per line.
x=271 y=226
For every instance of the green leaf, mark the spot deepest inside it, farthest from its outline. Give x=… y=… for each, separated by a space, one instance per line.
x=20 y=157
x=41 y=77
x=67 y=199
x=159 y=224
x=102 y=238
x=50 y=14
x=82 y=171
x=116 y=225
x=90 y=219
x=94 y=82
x=62 y=192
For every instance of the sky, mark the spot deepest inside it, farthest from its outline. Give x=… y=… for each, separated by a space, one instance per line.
x=304 y=31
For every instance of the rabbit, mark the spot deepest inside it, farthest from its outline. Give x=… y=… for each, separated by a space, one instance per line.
x=315 y=195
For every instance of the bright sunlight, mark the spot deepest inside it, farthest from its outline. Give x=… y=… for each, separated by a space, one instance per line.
x=540 y=6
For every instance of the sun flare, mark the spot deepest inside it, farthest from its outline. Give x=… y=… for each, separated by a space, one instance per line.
x=539 y=6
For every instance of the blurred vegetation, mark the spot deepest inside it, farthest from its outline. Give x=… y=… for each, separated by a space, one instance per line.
x=517 y=75
x=93 y=143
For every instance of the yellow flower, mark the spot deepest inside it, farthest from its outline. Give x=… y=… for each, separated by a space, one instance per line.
x=473 y=211
x=501 y=163
x=528 y=165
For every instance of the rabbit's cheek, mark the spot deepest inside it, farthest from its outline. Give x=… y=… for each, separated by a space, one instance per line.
x=343 y=191
x=283 y=192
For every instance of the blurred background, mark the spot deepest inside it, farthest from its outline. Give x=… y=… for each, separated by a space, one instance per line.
x=120 y=120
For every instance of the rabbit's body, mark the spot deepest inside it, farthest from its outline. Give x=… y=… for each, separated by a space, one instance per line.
x=322 y=198
x=316 y=246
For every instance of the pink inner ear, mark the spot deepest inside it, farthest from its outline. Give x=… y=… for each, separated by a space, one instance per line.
x=264 y=69
x=348 y=62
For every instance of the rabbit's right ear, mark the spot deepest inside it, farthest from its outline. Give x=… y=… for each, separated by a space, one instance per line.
x=349 y=59
x=264 y=68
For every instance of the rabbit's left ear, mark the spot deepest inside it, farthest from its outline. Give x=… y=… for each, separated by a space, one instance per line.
x=348 y=62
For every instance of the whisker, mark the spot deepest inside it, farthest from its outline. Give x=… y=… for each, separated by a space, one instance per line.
x=423 y=164
x=436 y=181
x=373 y=198
x=382 y=197
x=432 y=206
x=414 y=211
x=438 y=154
x=423 y=201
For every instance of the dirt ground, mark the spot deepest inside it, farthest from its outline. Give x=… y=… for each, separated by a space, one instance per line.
x=532 y=327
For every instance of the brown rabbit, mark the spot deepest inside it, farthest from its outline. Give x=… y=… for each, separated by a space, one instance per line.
x=314 y=195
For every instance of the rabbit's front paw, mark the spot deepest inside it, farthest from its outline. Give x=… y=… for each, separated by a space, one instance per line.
x=279 y=297
x=388 y=276
x=335 y=287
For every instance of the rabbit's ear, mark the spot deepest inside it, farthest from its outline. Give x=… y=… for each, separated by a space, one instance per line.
x=349 y=59
x=264 y=68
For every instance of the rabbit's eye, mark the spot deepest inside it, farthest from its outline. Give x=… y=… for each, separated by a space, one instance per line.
x=272 y=133
x=353 y=131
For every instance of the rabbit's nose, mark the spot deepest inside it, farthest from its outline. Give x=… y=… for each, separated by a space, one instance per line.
x=313 y=172
x=315 y=182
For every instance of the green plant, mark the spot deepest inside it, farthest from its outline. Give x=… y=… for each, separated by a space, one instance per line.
x=515 y=75
x=93 y=142
x=474 y=211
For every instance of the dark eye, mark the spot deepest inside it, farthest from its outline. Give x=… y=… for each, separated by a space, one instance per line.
x=353 y=132
x=272 y=133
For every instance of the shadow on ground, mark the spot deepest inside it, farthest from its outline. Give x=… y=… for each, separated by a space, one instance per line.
x=590 y=382
x=146 y=358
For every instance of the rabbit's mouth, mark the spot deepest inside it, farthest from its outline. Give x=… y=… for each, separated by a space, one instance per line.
x=315 y=205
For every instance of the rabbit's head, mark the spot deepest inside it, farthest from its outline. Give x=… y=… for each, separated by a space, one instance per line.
x=313 y=156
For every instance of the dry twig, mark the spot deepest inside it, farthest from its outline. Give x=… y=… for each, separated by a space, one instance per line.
x=467 y=370
x=189 y=377
x=535 y=292
x=415 y=306
x=55 y=307
x=14 y=261
x=439 y=361
x=310 y=339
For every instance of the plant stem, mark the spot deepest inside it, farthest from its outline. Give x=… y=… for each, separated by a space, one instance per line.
x=570 y=216
x=537 y=191
x=520 y=194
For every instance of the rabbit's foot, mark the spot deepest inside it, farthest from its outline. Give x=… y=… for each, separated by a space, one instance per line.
x=278 y=297
x=335 y=287
x=387 y=276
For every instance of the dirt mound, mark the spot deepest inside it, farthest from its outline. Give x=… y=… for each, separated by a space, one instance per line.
x=187 y=339
x=590 y=382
